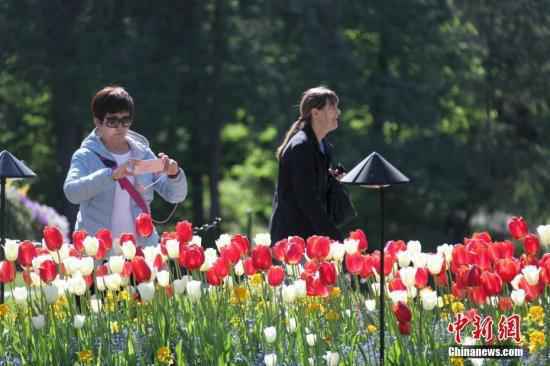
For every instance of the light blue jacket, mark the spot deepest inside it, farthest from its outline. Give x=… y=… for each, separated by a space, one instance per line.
x=89 y=184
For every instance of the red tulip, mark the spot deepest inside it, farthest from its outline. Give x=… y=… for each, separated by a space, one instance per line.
x=127 y=237
x=248 y=266
x=531 y=292
x=221 y=267
x=473 y=276
x=26 y=253
x=101 y=250
x=275 y=276
x=354 y=262
x=368 y=266
x=144 y=225
x=505 y=304
x=231 y=253
x=421 y=277
x=517 y=227
x=315 y=287
x=53 y=238
x=405 y=328
x=531 y=244
x=48 y=270
x=396 y=285
x=103 y=270
x=318 y=247
x=78 y=239
x=126 y=270
x=185 y=231
x=441 y=279
x=105 y=236
x=7 y=272
x=295 y=250
x=491 y=282
x=402 y=312
x=327 y=273
x=458 y=291
x=279 y=250
x=140 y=269
x=89 y=279
x=483 y=236
x=212 y=278
x=394 y=246
x=261 y=257
x=242 y=243
x=191 y=257
x=507 y=268
x=389 y=260
x=311 y=267
x=158 y=263
x=460 y=255
x=361 y=237
x=544 y=276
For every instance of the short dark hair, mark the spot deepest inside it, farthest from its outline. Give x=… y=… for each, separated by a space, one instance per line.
x=111 y=99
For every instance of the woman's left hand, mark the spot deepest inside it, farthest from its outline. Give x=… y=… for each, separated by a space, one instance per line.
x=171 y=166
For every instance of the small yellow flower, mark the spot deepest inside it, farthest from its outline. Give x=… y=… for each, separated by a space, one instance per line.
x=335 y=292
x=124 y=295
x=536 y=314
x=240 y=294
x=235 y=321
x=85 y=357
x=4 y=310
x=256 y=279
x=448 y=299
x=457 y=307
x=315 y=307
x=114 y=327
x=536 y=340
x=456 y=361
x=332 y=315
x=371 y=328
x=164 y=356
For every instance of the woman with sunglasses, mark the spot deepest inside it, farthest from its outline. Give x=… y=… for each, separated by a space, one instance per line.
x=100 y=179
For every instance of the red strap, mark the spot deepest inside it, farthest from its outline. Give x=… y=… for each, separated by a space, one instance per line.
x=132 y=191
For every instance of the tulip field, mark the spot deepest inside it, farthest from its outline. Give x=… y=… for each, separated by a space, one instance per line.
x=301 y=301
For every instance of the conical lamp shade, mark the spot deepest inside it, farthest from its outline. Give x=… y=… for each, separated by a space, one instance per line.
x=11 y=167
x=374 y=170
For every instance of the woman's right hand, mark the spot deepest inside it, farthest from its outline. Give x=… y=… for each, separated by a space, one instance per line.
x=122 y=171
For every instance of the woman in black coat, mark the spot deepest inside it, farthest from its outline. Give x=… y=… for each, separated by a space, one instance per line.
x=300 y=202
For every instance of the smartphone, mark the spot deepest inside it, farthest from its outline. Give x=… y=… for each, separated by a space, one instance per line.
x=147 y=166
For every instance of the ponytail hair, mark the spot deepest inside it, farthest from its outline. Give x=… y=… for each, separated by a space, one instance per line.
x=312 y=98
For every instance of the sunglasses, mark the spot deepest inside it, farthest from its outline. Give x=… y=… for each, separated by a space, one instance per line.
x=115 y=122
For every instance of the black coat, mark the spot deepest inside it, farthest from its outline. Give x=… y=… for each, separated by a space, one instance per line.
x=300 y=199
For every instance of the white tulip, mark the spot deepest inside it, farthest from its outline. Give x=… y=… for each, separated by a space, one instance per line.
x=116 y=263
x=181 y=284
x=11 y=250
x=288 y=294
x=370 y=305
x=311 y=361
x=429 y=299
x=518 y=297
x=71 y=264
x=414 y=246
x=411 y=292
x=194 y=290
x=403 y=258
x=86 y=266
x=419 y=260
x=173 y=248
x=113 y=281
x=435 y=263
x=128 y=250
x=544 y=234
x=515 y=282
x=20 y=295
x=408 y=276
x=311 y=339
x=77 y=284
x=35 y=279
x=351 y=246
x=63 y=253
x=51 y=293
x=239 y=268
x=150 y=253
x=263 y=239
x=196 y=240
x=38 y=322
x=95 y=304
x=210 y=257
x=91 y=245
x=301 y=288
x=337 y=251
x=100 y=283
x=223 y=241
x=332 y=358
x=270 y=359
x=531 y=274
x=270 y=334
x=291 y=325
x=447 y=251
x=78 y=321
x=163 y=278
x=146 y=290
x=398 y=295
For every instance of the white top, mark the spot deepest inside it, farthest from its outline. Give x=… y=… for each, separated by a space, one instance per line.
x=122 y=220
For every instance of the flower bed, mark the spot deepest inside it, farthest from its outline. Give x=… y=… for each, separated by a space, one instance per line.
x=297 y=302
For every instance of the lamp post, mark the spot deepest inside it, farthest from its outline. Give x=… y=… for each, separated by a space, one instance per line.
x=10 y=167
x=375 y=172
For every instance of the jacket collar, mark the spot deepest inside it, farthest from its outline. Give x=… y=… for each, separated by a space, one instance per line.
x=308 y=130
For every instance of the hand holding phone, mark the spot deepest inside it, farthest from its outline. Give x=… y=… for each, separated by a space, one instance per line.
x=139 y=167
